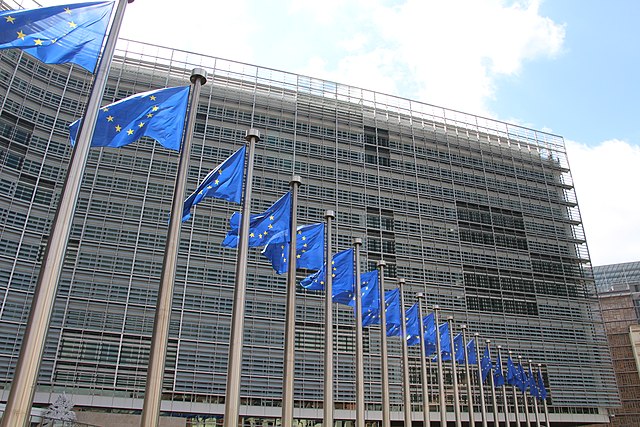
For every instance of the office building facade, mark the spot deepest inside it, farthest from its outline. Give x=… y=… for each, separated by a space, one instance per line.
x=619 y=292
x=478 y=214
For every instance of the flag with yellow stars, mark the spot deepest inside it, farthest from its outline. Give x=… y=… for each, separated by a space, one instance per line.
x=458 y=350
x=370 y=296
x=224 y=182
x=309 y=248
x=262 y=226
x=542 y=390
x=522 y=375
x=58 y=34
x=498 y=374
x=393 y=312
x=458 y=342
x=158 y=114
x=445 y=343
x=343 y=278
x=486 y=365
x=471 y=352
x=429 y=323
x=412 y=321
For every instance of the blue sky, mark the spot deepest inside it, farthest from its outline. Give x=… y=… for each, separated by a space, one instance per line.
x=589 y=92
x=566 y=66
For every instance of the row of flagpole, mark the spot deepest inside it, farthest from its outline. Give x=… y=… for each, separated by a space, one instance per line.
x=384 y=368
x=24 y=382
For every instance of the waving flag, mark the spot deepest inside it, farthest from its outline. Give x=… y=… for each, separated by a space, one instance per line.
x=342 y=275
x=224 y=182
x=471 y=352
x=58 y=34
x=542 y=391
x=512 y=372
x=522 y=380
x=370 y=291
x=261 y=226
x=412 y=319
x=158 y=114
x=429 y=323
x=393 y=312
x=498 y=375
x=485 y=364
x=309 y=248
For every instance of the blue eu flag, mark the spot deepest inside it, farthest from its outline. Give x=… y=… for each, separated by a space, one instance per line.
x=458 y=343
x=485 y=364
x=309 y=248
x=342 y=274
x=429 y=323
x=542 y=391
x=370 y=291
x=445 y=340
x=158 y=114
x=393 y=312
x=224 y=182
x=471 y=352
x=458 y=350
x=522 y=380
x=531 y=382
x=498 y=375
x=512 y=372
x=445 y=344
x=262 y=226
x=412 y=319
x=58 y=34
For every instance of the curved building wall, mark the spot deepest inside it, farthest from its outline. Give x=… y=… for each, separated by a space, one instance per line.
x=478 y=214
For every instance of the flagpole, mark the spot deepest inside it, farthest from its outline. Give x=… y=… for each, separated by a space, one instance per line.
x=328 y=324
x=160 y=338
x=524 y=397
x=18 y=410
x=546 y=414
x=423 y=365
x=384 y=355
x=232 y=396
x=357 y=292
x=516 y=408
x=467 y=371
x=536 y=410
x=544 y=401
x=493 y=391
x=405 y=359
x=442 y=402
x=290 y=311
x=454 y=375
x=505 y=403
x=483 y=409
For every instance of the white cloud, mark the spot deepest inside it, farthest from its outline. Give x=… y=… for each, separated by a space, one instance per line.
x=447 y=53
x=223 y=29
x=456 y=49
x=606 y=178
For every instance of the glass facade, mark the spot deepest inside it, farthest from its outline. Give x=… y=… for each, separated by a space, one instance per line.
x=617 y=277
x=479 y=215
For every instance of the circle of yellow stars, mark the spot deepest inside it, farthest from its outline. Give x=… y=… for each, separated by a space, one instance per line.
x=118 y=128
x=38 y=41
x=264 y=233
x=215 y=182
x=300 y=251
